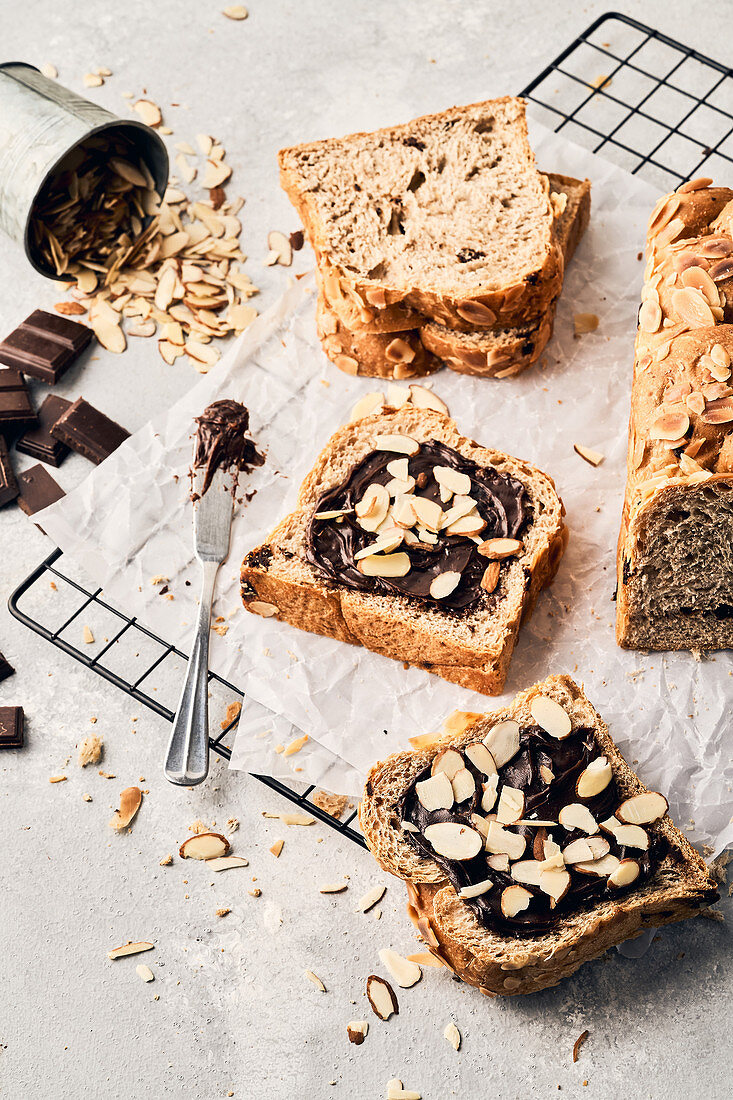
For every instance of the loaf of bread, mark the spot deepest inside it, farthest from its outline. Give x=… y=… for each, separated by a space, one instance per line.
x=527 y=844
x=446 y=216
x=675 y=550
x=439 y=575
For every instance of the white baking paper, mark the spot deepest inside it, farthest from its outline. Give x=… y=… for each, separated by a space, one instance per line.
x=131 y=520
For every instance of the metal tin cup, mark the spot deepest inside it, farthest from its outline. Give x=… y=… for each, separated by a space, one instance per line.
x=41 y=124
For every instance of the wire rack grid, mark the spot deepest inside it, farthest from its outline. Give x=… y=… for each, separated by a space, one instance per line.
x=648 y=103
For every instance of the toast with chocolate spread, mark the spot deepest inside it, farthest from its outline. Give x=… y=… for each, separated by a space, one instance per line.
x=415 y=542
x=527 y=844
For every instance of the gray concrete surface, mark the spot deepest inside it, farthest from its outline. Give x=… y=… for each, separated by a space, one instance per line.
x=234 y=1014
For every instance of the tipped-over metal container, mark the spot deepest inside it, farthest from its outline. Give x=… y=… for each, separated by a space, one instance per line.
x=41 y=123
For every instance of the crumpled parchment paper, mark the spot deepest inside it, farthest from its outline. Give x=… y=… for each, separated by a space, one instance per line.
x=131 y=520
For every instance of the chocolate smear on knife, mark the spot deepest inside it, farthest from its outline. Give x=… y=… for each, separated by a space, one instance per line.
x=222 y=443
x=38 y=442
x=44 y=346
x=89 y=432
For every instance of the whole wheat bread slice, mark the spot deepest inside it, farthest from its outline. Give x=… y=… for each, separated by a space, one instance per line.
x=446 y=215
x=507 y=964
x=497 y=353
x=474 y=648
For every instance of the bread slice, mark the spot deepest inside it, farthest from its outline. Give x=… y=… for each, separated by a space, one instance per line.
x=675 y=585
x=529 y=959
x=472 y=648
x=496 y=353
x=446 y=215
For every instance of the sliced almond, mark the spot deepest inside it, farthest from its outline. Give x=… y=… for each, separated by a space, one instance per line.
x=453 y=840
x=469 y=526
x=445 y=583
x=481 y=758
x=499 y=549
x=429 y=513
x=690 y=307
x=586 y=850
x=463 y=784
x=503 y=841
x=448 y=761
x=476 y=889
x=527 y=871
x=370 y=898
x=511 y=805
x=584 y=323
x=400 y=444
x=577 y=816
x=436 y=793
x=130 y=801
x=670 y=426
x=556 y=883
x=643 y=809
x=514 y=900
x=204 y=846
x=130 y=949
x=627 y=872
x=502 y=741
x=385 y=565
x=490 y=578
x=404 y=972
x=149 y=112
x=315 y=979
x=594 y=458
x=594 y=779
x=453 y=1035
x=375 y=502
x=280 y=244
x=403 y=513
x=453 y=480
x=399 y=351
x=550 y=716
x=490 y=788
x=357 y=1031
x=381 y=997
x=424 y=398
x=145 y=973
x=498 y=861
x=606 y=865
x=631 y=836
x=265 y=610
x=399 y=468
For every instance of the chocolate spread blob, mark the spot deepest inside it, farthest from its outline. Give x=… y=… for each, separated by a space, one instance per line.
x=566 y=758
x=221 y=442
x=502 y=501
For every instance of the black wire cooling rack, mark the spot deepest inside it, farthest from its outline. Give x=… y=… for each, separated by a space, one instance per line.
x=646 y=102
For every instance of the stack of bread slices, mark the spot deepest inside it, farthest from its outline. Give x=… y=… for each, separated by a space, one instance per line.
x=437 y=242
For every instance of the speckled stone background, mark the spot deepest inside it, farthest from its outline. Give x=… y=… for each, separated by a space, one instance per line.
x=235 y=1016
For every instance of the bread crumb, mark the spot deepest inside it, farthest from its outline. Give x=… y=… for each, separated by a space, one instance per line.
x=578 y=1044
x=160 y=579
x=88 y=636
x=107 y=775
x=166 y=861
x=198 y=827
x=712 y=914
x=233 y=823
x=87 y=797
x=233 y=712
x=277 y=848
x=256 y=893
x=296 y=745
x=332 y=804
x=57 y=779
x=222 y=912
x=90 y=750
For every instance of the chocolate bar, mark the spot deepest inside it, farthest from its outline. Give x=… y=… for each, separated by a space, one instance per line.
x=15 y=404
x=11 y=727
x=45 y=346
x=38 y=442
x=8 y=484
x=89 y=432
x=6 y=669
x=37 y=490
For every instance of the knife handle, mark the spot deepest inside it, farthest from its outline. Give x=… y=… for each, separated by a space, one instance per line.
x=187 y=758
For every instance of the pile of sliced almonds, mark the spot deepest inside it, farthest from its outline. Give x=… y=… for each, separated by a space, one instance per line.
x=399 y=516
x=550 y=865
x=167 y=267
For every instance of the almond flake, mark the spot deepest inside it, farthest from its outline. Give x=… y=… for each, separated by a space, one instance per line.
x=357 y=1031
x=149 y=112
x=594 y=458
x=548 y=714
x=280 y=244
x=215 y=174
x=315 y=979
x=404 y=972
x=291 y=819
x=145 y=973
x=381 y=997
x=129 y=949
x=296 y=745
x=204 y=846
x=642 y=809
x=277 y=848
x=370 y=899
x=226 y=863
x=514 y=900
x=453 y=1035
x=423 y=398
x=401 y=444
x=333 y=888
x=49 y=71
x=236 y=11
x=130 y=801
x=445 y=583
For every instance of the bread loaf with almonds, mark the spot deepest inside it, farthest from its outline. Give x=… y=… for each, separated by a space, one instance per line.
x=675 y=550
x=527 y=844
x=446 y=216
x=415 y=542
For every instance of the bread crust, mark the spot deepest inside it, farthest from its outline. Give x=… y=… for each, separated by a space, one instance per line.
x=500 y=964
x=511 y=305
x=671 y=376
x=473 y=651
x=397 y=355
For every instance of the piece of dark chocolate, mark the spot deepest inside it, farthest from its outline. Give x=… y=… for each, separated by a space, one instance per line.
x=8 y=484
x=11 y=727
x=37 y=490
x=45 y=345
x=89 y=432
x=15 y=404
x=6 y=669
x=38 y=441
